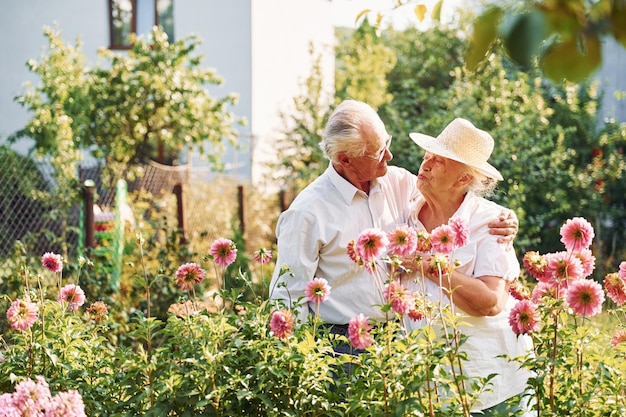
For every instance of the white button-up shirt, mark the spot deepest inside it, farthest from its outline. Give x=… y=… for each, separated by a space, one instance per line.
x=313 y=235
x=488 y=336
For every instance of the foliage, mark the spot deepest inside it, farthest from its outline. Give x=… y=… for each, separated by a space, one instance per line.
x=363 y=61
x=563 y=38
x=574 y=362
x=152 y=102
x=226 y=363
x=420 y=84
x=229 y=362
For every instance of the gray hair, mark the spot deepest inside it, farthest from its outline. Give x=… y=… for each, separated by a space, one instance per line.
x=481 y=184
x=343 y=131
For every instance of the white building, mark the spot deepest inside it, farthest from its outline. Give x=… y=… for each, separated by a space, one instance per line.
x=259 y=47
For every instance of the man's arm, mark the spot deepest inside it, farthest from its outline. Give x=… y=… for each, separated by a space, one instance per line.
x=296 y=261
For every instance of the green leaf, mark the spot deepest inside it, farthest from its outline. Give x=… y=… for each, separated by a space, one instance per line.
x=361 y=14
x=485 y=31
x=436 y=14
x=522 y=35
x=420 y=12
x=573 y=61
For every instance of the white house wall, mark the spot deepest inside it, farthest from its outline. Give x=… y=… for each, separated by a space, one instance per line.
x=612 y=78
x=281 y=61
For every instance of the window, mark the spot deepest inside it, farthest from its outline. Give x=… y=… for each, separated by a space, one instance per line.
x=139 y=16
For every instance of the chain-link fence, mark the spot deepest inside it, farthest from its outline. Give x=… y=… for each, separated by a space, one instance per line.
x=24 y=215
x=211 y=204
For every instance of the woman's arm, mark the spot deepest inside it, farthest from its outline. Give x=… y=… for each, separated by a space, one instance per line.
x=481 y=296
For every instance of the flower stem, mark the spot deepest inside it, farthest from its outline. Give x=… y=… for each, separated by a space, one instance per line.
x=553 y=364
x=43 y=323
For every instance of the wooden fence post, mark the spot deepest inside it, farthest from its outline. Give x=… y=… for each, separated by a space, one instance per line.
x=241 y=200
x=180 y=204
x=89 y=190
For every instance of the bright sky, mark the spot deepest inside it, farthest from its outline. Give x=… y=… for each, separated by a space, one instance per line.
x=346 y=11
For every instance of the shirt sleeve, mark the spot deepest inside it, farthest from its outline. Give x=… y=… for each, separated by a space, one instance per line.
x=493 y=258
x=297 y=260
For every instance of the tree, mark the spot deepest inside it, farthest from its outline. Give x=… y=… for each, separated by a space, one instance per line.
x=58 y=123
x=363 y=61
x=420 y=85
x=152 y=102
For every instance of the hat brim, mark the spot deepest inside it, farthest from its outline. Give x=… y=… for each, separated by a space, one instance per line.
x=433 y=145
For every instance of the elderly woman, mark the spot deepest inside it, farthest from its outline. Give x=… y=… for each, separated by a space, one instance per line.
x=452 y=178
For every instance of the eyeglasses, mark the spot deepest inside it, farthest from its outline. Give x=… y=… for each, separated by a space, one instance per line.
x=382 y=152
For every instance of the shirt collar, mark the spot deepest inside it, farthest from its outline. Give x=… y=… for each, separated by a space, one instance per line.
x=345 y=187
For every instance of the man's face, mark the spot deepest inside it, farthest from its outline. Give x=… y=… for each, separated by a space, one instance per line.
x=373 y=163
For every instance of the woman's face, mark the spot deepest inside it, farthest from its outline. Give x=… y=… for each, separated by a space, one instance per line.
x=439 y=176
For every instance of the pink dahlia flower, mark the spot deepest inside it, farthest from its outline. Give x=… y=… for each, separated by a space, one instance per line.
x=402 y=241
x=22 y=314
x=524 y=317
x=536 y=265
x=189 y=274
x=71 y=295
x=422 y=306
x=66 y=404
x=416 y=314
x=7 y=407
x=30 y=397
x=587 y=260
x=282 y=323
x=618 y=338
x=371 y=244
x=317 y=290
x=438 y=264
x=585 y=297
x=443 y=238
x=351 y=248
x=519 y=291
x=577 y=234
x=622 y=270
x=563 y=267
x=223 y=251
x=52 y=262
x=98 y=311
x=461 y=230
x=263 y=256
x=615 y=287
x=543 y=289
x=402 y=300
x=359 y=332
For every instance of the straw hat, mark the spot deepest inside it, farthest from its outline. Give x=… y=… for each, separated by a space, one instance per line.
x=462 y=142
